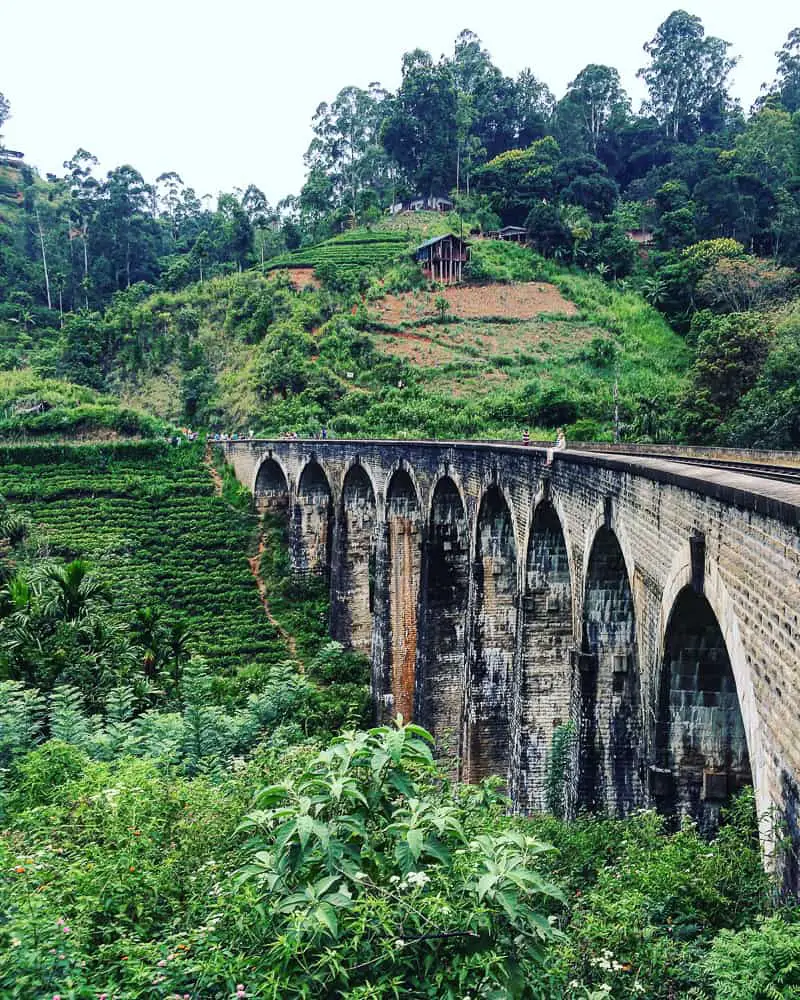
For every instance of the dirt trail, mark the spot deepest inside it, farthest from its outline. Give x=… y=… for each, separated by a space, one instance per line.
x=255 y=568
x=254 y=562
x=208 y=461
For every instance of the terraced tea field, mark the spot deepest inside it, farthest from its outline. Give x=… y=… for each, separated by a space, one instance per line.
x=146 y=517
x=354 y=251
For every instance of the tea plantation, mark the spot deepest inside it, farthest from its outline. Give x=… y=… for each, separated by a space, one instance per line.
x=350 y=252
x=146 y=518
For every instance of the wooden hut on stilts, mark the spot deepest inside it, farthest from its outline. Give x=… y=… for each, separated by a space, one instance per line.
x=443 y=258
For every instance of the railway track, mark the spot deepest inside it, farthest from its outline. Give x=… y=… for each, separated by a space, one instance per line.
x=782 y=473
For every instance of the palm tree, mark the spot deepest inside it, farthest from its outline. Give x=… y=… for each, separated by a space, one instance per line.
x=178 y=642
x=13 y=527
x=147 y=633
x=76 y=588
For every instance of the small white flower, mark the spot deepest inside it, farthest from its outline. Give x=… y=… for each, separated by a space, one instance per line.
x=417 y=878
x=394 y=879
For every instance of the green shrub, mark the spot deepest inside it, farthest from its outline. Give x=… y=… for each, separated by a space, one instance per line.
x=758 y=963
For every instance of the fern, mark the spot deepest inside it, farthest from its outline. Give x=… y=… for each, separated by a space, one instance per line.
x=68 y=719
x=22 y=713
x=206 y=740
x=559 y=770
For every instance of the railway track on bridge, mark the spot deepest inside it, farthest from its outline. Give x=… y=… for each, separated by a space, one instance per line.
x=782 y=473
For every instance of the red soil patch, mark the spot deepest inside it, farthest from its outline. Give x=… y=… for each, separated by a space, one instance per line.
x=523 y=301
x=434 y=345
x=418 y=350
x=302 y=277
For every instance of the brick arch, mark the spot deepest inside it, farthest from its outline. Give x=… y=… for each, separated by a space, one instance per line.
x=492 y=646
x=446 y=473
x=357 y=463
x=313 y=513
x=719 y=599
x=353 y=588
x=598 y=520
x=444 y=598
x=508 y=500
x=271 y=484
x=609 y=684
x=700 y=740
x=402 y=466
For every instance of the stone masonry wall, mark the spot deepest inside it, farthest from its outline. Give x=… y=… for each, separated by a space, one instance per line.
x=674 y=527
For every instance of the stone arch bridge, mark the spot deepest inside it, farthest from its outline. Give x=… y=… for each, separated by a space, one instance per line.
x=645 y=609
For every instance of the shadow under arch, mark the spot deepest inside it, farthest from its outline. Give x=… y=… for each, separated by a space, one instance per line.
x=271 y=487
x=312 y=521
x=404 y=557
x=353 y=579
x=701 y=749
x=546 y=641
x=610 y=710
x=444 y=594
x=492 y=644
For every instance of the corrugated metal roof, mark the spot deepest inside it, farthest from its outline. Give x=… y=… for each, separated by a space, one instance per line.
x=438 y=239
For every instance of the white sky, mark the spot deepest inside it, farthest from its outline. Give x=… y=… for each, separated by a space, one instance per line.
x=223 y=92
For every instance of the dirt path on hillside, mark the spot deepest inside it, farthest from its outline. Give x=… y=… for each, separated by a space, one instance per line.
x=255 y=568
x=208 y=462
x=254 y=562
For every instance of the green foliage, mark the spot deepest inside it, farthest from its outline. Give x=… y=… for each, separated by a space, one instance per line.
x=768 y=415
x=499 y=260
x=371 y=878
x=758 y=963
x=731 y=351
x=559 y=772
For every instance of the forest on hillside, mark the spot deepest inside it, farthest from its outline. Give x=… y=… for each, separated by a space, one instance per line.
x=713 y=188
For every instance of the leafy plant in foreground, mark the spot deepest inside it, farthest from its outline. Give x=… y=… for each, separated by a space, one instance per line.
x=366 y=876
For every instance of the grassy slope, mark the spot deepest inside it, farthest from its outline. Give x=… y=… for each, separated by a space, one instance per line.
x=477 y=374
x=147 y=519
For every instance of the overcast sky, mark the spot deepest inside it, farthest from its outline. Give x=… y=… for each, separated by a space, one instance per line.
x=223 y=92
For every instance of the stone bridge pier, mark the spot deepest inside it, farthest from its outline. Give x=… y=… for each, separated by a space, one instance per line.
x=643 y=611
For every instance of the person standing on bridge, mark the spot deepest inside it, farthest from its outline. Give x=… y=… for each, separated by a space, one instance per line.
x=560 y=445
x=526 y=437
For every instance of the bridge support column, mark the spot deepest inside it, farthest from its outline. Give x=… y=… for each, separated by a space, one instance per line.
x=441 y=645
x=397 y=595
x=543 y=700
x=353 y=570
x=311 y=529
x=490 y=660
x=610 y=704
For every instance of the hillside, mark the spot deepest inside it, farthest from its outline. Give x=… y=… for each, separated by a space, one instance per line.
x=374 y=352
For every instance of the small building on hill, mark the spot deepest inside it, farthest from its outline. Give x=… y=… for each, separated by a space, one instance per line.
x=11 y=158
x=514 y=234
x=443 y=258
x=642 y=237
x=432 y=203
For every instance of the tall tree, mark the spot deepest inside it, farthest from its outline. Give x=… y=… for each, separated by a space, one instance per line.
x=347 y=140
x=687 y=76
x=5 y=111
x=421 y=128
x=85 y=191
x=490 y=96
x=786 y=87
x=534 y=108
x=595 y=105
